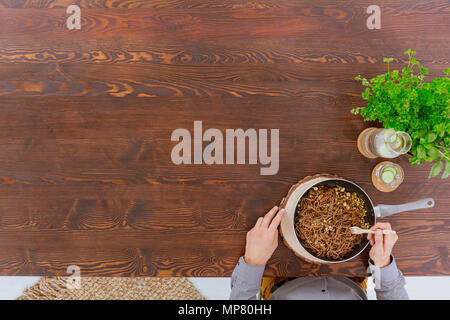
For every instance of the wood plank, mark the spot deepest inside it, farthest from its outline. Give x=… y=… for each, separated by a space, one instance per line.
x=237 y=4
x=218 y=51
x=335 y=24
x=184 y=215
x=159 y=237
x=189 y=81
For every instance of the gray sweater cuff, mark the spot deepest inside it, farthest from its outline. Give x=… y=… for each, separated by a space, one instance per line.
x=245 y=281
x=389 y=275
x=249 y=273
x=390 y=272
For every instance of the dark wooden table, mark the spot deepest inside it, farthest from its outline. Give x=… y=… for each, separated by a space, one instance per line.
x=86 y=176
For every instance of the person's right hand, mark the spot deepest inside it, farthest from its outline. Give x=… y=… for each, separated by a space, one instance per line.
x=262 y=239
x=382 y=244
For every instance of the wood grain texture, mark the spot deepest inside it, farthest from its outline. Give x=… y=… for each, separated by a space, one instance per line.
x=140 y=80
x=85 y=171
x=333 y=24
x=235 y=4
x=218 y=52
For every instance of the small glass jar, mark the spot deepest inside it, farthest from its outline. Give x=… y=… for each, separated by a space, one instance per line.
x=387 y=176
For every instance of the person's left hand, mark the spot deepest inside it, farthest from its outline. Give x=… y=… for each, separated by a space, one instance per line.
x=262 y=239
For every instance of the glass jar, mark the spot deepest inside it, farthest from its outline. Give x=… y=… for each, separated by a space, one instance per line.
x=384 y=143
x=387 y=176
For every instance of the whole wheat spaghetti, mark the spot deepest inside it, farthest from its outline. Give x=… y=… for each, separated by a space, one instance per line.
x=323 y=220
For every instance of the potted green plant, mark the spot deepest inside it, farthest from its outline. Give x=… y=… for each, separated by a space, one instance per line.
x=401 y=99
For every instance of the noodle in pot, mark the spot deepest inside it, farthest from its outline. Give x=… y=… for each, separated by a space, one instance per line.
x=323 y=220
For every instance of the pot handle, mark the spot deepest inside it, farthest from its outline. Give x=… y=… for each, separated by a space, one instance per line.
x=384 y=210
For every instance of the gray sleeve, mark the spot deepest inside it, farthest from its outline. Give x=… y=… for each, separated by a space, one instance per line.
x=245 y=281
x=392 y=283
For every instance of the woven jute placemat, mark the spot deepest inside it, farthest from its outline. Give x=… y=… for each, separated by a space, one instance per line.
x=113 y=288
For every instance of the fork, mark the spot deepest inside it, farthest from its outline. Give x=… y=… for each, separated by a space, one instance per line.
x=358 y=230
